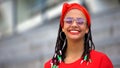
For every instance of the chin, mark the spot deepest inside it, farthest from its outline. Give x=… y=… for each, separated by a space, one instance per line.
x=75 y=38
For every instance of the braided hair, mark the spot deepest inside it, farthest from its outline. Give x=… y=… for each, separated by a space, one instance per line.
x=61 y=43
x=61 y=46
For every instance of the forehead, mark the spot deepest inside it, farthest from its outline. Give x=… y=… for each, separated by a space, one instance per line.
x=75 y=13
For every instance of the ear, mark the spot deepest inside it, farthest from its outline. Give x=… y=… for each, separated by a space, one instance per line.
x=63 y=30
x=87 y=30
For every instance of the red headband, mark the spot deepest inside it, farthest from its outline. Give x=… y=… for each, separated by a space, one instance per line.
x=67 y=7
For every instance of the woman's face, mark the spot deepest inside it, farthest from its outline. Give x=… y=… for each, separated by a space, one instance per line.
x=75 y=25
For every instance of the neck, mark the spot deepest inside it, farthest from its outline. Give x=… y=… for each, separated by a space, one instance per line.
x=75 y=48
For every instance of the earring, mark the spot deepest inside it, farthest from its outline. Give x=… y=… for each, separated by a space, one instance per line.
x=61 y=36
x=64 y=44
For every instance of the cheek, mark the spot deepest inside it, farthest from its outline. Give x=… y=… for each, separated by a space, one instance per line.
x=65 y=27
x=84 y=29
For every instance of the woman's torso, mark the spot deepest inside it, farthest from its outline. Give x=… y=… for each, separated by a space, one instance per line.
x=98 y=60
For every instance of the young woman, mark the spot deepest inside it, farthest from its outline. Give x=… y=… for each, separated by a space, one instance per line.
x=74 y=46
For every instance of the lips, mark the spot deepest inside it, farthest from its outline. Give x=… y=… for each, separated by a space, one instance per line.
x=74 y=32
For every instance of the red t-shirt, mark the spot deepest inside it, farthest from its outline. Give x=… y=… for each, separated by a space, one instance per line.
x=99 y=60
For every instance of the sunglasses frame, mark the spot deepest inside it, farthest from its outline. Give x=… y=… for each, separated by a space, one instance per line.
x=70 y=20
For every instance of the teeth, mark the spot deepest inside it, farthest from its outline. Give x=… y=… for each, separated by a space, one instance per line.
x=73 y=31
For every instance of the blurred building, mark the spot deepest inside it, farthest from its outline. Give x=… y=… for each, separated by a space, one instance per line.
x=28 y=30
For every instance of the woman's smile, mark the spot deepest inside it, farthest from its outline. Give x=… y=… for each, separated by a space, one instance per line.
x=74 y=32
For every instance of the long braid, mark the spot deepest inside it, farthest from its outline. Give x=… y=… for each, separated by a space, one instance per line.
x=61 y=45
x=58 y=49
x=89 y=45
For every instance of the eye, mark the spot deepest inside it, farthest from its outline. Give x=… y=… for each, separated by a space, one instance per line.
x=68 y=20
x=80 y=20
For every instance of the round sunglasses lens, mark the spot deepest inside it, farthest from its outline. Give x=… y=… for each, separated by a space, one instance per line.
x=68 y=20
x=80 y=21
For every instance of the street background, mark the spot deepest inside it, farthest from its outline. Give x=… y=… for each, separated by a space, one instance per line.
x=28 y=30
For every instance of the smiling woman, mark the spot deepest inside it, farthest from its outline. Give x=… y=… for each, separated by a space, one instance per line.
x=74 y=46
x=77 y=27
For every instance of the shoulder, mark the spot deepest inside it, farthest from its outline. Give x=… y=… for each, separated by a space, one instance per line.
x=101 y=58
x=47 y=64
x=98 y=55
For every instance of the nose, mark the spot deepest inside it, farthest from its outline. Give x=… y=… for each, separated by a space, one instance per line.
x=74 y=23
